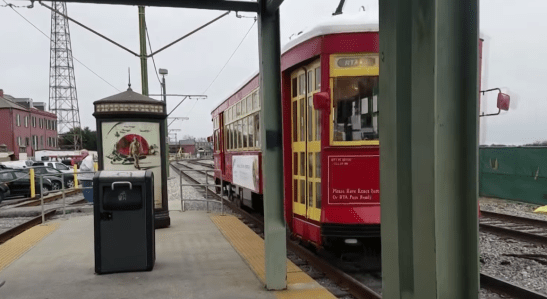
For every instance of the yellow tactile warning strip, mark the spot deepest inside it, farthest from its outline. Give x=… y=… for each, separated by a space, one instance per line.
x=251 y=248
x=16 y=247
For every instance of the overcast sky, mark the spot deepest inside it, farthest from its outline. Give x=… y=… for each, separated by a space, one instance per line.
x=514 y=58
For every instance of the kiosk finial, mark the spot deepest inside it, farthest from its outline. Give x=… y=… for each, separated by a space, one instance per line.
x=129 y=73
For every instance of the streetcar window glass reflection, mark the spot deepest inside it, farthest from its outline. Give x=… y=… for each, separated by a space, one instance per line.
x=318 y=165
x=256 y=103
x=310 y=81
x=295 y=121
x=318 y=78
x=302 y=115
x=302 y=163
x=257 y=129
x=294 y=87
x=245 y=132
x=251 y=131
x=310 y=118
x=295 y=164
x=295 y=190
x=354 y=115
x=249 y=103
x=310 y=194
x=302 y=191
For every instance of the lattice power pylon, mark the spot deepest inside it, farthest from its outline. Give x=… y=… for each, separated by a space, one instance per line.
x=63 y=99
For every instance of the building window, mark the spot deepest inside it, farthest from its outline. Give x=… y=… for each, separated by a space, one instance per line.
x=27 y=141
x=41 y=141
x=26 y=121
x=34 y=121
x=18 y=120
x=19 y=141
x=41 y=123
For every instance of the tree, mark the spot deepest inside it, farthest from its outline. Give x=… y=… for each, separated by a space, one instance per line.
x=89 y=138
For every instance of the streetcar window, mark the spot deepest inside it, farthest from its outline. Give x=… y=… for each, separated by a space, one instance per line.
x=244 y=106
x=355 y=108
x=294 y=121
x=317 y=165
x=251 y=131
x=310 y=194
x=294 y=88
x=238 y=109
x=240 y=133
x=245 y=132
x=231 y=136
x=302 y=163
x=310 y=164
x=310 y=81
x=302 y=191
x=295 y=190
x=318 y=194
x=295 y=163
x=302 y=79
x=249 y=103
x=256 y=102
x=302 y=123
x=318 y=125
x=257 y=130
x=310 y=118
x=318 y=78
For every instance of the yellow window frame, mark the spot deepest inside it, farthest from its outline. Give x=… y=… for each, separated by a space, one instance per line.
x=349 y=72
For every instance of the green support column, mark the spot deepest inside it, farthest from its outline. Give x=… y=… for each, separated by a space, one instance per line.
x=429 y=152
x=272 y=155
x=144 y=63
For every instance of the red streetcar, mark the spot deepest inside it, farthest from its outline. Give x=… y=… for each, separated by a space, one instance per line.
x=330 y=134
x=330 y=143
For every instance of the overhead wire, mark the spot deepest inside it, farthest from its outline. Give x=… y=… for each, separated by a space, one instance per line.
x=233 y=53
x=49 y=38
x=216 y=77
x=150 y=46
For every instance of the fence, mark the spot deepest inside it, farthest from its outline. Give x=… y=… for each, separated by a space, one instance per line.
x=516 y=173
x=206 y=186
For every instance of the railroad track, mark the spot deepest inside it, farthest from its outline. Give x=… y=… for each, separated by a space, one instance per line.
x=504 y=287
x=36 y=201
x=14 y=231
x=520 y=228
x=345 y=281
x=200 y=163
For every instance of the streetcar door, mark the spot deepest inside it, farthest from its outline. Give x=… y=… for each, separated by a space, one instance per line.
x=306 y=142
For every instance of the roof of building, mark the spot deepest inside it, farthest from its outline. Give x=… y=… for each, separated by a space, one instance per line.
x=187 y=142
x=128 y=96
x=6 y=102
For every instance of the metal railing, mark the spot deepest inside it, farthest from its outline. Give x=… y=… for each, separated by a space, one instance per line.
x=206 y=186
x=62 y=190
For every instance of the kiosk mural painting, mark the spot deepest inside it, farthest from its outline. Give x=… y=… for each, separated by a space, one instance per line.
x=134 y=147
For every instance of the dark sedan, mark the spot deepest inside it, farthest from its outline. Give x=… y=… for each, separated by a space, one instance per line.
x=54 y=175
x=18 y=183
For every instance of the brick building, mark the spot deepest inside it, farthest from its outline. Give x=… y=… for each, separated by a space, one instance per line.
x=25 y=127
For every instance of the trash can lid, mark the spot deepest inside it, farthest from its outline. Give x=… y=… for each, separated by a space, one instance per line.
x=122 y=174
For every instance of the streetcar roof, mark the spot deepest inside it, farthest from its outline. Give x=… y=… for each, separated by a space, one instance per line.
x=364 y=21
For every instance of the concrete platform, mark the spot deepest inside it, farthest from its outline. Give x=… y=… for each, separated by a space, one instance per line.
x=194 y=260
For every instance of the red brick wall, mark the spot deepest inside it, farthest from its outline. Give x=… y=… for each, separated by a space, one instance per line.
x=8 y=119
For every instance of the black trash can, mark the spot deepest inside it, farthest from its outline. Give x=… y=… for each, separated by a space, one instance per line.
x=123 y=204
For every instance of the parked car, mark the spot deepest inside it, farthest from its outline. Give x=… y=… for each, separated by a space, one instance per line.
x=55 y=176
x=59 y=166
x=18 y=183
x=15 y=164
x=4 y=191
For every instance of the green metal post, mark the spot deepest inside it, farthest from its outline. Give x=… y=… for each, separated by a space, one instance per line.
x=272 y=155
x=166 y=126
x=144 y=64
x=429 y=153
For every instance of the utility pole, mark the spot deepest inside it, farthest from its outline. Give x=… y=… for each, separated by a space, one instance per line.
x=144 y=66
